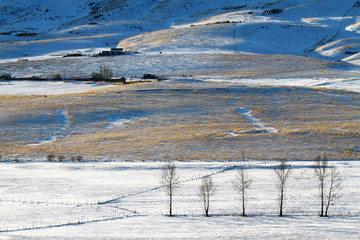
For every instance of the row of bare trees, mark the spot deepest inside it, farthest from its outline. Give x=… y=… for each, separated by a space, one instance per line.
x=329 y=179
x=170 y=179
x=105 y=73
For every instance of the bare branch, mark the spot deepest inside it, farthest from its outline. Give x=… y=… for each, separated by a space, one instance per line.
x=334 y=188
x=283 y=172
x=206 y=190
x=169 y=178
x=321 y=170
x=240 y=184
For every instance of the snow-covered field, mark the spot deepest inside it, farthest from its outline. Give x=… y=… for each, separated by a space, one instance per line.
x=349 y=84
x=46 y=87
x=60 y=87
x=125 y=200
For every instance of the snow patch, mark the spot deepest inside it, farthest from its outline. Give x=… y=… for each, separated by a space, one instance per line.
x=261 y=127
x=63 y=120
x=121 y=122
x=354 y=27
x=330 y=83
x=334 y=95
x=46 y=87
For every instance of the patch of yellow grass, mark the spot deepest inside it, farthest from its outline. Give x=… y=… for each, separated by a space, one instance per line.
x=188 y=125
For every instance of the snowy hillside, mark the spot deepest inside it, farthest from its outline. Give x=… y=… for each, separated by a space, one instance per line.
x=321 y=29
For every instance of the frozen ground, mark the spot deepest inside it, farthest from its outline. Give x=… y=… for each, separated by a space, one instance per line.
x=39 y=200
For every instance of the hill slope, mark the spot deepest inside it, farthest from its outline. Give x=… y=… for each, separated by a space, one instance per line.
x=327 y=29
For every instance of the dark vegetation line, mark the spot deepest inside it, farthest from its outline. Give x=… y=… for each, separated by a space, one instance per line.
x=66 y=224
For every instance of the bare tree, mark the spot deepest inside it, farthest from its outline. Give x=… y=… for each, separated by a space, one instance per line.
x=206 y=190
x=283 y=172
x=334 y=187
x=242 y=182
x=104 y=73
x=321 y=170
x=169 y=178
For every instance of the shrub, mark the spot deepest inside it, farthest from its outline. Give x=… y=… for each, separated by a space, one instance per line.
x=61 y=158
x=95 y=76
x=57 y=76
x=79 y=158
x=149 y=76
x=51 y=157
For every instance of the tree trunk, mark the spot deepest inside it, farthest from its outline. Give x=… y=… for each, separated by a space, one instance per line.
x=330 y=193
x=322 y=198
x=327 y=208
x=207 y=205
x=243 y=202
x=170 y=203
x=281 y=201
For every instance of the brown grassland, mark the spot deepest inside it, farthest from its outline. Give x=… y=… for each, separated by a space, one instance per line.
x=182 y=121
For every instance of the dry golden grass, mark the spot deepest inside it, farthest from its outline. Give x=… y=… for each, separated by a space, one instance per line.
x=185 y=122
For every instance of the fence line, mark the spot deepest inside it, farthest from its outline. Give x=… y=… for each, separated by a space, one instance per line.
x=42 y=226
x=133 y=212
x=183 y=180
